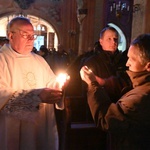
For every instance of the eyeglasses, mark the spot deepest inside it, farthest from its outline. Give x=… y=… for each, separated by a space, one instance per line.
x=25 y=35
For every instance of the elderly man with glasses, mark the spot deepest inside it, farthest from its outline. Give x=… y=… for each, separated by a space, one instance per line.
x=28 y=92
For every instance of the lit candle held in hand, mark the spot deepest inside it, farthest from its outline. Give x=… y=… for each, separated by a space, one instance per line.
x=62 y=79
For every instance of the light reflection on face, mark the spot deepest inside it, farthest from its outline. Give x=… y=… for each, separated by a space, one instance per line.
x=21 y=38
x=134 y=61
x=109 y=41
x=26 y=35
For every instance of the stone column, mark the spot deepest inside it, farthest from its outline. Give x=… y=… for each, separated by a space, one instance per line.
x=81 y=14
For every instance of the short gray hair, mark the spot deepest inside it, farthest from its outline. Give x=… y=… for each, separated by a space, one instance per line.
x=143 y=44
x=17 y=21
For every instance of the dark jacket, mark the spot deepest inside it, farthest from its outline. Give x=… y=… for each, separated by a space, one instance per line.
x=105 y=63
x=127 y=121
x=112 y=67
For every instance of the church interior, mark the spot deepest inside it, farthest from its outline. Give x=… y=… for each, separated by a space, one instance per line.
x=75 y=25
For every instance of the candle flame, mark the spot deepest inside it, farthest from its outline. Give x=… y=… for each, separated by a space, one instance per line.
x=62 y=78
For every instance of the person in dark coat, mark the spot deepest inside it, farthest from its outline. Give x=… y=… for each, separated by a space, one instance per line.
x=128 y=120
x=109 y=64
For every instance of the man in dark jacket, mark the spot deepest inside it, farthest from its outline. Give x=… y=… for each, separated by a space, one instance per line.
x=109 y=64
x=128 y=120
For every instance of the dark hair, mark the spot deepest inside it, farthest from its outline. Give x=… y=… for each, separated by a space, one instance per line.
x=44 y=49
x=107 y=28
x=143 y=43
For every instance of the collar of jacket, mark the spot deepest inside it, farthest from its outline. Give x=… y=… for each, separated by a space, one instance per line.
x=139 y=78
x=108 y=52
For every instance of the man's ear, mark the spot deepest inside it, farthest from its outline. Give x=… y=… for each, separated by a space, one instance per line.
x=148 y=66
x=9 y=35
x=100 y=41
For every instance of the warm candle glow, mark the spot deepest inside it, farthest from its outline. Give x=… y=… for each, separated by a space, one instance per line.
x=62 y=78
x=88 y=69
